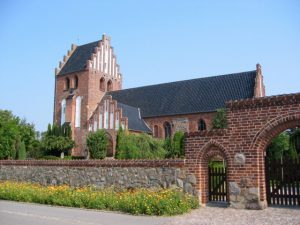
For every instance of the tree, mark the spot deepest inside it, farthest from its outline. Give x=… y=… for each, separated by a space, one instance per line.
x=27 y=134
x=278 y=146
x=13 y=131
x=285 y=145
x=295 y=141
x=97 y=144
x=220 y=119
x=178 y=144
x=57 y=140
x=22 y=151
x=9 y=131
x=175 y=146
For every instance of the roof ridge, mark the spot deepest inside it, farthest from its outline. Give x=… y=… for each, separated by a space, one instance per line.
x=179 y=81
x=127 y=105
x=89 y=43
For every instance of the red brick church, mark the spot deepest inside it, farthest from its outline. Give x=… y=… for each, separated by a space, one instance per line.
x=89 y=96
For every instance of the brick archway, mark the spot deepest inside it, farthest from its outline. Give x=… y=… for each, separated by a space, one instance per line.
x=264 y=137
x=207 y=152
x=252 y=124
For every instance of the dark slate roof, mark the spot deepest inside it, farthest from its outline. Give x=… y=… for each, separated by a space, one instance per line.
x=190 y=96
x=77 y=60
x=134 y=121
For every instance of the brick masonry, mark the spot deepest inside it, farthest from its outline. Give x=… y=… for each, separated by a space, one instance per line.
x=252 y=124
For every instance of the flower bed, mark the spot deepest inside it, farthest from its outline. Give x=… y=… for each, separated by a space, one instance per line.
x=138 y=201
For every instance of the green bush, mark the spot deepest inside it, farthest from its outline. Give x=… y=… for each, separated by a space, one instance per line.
x=175 y=146
x=139 y=201
x=139 y=146
x=22 y=151
x=97 y=144
x=78 y=157
x=50 y=157
x=220 y=119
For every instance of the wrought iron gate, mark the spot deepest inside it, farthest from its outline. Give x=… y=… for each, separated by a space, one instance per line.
x=217 y=187
x=283 y=182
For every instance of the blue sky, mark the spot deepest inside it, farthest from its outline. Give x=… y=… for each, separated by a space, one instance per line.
x=155 y=42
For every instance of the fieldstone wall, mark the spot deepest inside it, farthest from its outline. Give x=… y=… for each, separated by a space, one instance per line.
x=120 y=174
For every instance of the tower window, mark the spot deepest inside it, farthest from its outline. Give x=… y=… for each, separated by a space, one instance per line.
x=63 y=112
x=76 y=82
x=201 y=125
x=67 y=84
x=109 y=86
x=78 y=111
x=167 y=127
x=155 y=131
x=102 y=84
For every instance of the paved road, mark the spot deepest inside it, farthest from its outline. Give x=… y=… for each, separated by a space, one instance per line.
x=13 y=213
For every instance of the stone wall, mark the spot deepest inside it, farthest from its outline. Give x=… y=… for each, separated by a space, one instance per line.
x=106 y=173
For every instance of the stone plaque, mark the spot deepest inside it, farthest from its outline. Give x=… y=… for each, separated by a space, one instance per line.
x=181 y=124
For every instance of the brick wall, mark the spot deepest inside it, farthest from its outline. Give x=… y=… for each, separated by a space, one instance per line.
x=191 y=124
x=252 y=124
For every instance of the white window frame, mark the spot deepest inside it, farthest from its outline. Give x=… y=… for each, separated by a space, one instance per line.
x=78 y=111
x=63 y=112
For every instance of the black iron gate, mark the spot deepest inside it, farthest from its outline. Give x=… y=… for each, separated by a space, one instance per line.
x=217 y=187
x=283 y=182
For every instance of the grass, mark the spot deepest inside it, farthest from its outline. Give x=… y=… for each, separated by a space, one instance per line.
x=137 y=201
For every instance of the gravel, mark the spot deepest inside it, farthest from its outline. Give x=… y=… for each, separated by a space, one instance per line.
x=216 y=215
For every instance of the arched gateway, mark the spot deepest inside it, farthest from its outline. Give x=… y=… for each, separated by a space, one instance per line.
x=252 y=124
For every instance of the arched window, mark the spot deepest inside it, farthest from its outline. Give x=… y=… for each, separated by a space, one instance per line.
x=102 y=84
x=67 y=84
x=167 y=127
x=109 y=86
x=63 y=112
x=201 y=125
x=78 y=111
x=76 y=82
x=155 y=131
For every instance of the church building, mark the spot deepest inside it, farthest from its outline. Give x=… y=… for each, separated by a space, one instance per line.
x=89 y=96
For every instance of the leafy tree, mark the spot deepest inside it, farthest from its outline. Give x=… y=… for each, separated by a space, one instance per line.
x=295 y=141
x=36 y=151
x=175 y=146
x=57 y=140
x=278 y=146
x=97 y=144
x=12 y=132
x=220 y=119
x=178 y=144
x=8 y=134
x=27 y=134
x=22 y=151
x=168 y=146
x=285 y=145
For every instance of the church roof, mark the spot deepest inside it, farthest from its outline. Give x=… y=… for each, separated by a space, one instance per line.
x=189 y=96
x=135 y=122
x=77 y=61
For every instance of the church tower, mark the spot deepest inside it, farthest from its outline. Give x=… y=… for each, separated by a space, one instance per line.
x=86 y=73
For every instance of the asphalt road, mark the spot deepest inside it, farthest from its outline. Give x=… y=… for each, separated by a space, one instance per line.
x=14 y=213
